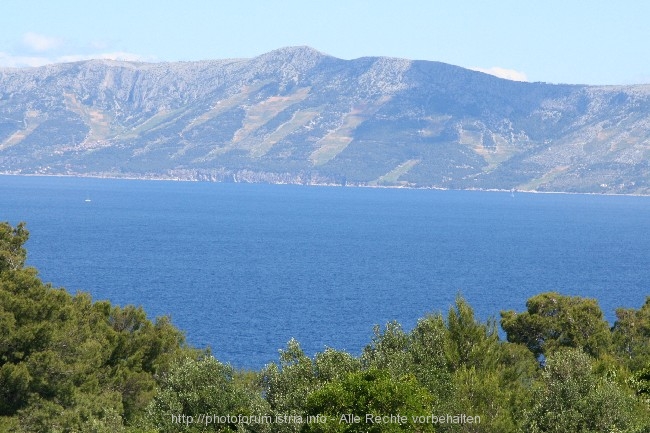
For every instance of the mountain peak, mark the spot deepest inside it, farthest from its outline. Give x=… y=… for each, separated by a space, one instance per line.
x=297 y=50
x=287 y=64
x=297 y=54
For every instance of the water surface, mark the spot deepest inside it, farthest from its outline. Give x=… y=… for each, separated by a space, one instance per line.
x=244 y=268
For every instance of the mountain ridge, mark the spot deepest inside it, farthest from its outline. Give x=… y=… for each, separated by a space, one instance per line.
x=296 y=115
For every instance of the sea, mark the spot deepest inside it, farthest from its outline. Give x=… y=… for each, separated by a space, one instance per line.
x=244 y=268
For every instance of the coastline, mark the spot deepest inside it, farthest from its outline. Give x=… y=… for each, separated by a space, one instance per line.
x=169 y=178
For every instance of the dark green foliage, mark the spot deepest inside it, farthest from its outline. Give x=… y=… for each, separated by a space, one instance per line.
x=554 y=321
x=471 y=344
x=14 y=387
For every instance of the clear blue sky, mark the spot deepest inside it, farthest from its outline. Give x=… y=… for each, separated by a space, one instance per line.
x=569 y=41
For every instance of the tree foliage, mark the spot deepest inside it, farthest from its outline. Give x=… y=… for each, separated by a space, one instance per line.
x=203 y=386
x=631 y=334
x=572 y=399
x=554 y=321
x=12 y=250
x=364 y=402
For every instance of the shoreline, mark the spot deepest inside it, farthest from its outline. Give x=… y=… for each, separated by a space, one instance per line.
x=317 y=184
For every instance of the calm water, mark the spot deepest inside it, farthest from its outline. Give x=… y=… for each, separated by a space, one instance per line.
x=243 y=268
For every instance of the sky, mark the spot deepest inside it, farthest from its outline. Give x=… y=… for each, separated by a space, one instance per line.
x=568 y=41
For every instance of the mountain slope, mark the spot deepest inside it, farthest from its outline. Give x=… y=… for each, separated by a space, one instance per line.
x=295 y=115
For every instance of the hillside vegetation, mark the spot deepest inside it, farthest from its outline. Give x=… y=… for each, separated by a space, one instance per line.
x=70 y=364
x=296 y=115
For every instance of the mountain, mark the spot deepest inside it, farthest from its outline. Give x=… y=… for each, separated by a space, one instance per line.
x=296 y=115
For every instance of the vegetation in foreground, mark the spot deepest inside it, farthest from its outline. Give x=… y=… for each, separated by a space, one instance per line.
x=68 y=364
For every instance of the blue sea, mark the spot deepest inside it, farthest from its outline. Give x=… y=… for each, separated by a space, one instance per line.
x=244 y=268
